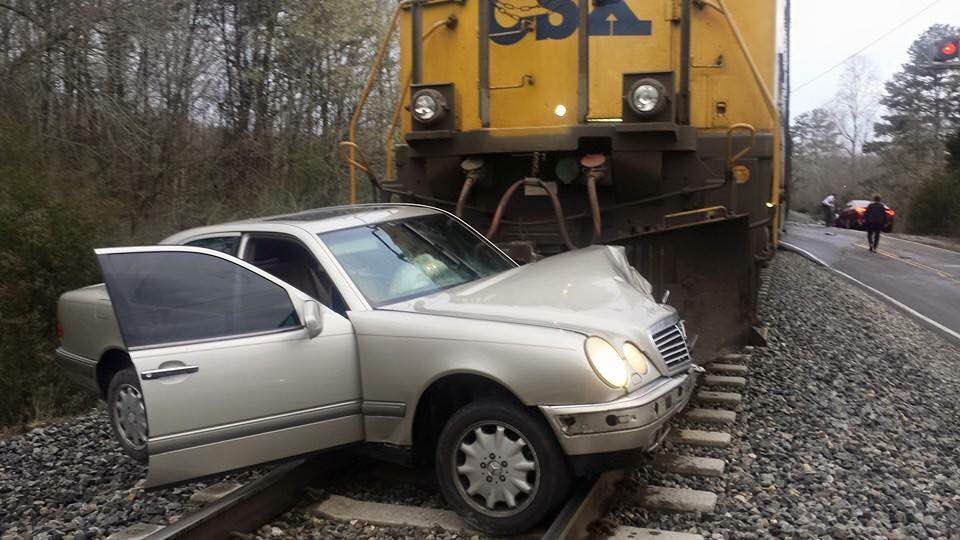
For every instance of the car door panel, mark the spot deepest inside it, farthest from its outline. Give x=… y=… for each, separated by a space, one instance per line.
x=215 y=402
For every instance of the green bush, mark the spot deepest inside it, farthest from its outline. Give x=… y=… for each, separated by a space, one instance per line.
x=46 y=232
x=935 y=208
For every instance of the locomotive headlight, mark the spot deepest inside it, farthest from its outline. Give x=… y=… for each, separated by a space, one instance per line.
x=429 y=106
x=647 y=97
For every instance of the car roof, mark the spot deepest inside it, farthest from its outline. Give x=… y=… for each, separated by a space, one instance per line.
x=864 y=203
x=318 y=220
x=334 y=218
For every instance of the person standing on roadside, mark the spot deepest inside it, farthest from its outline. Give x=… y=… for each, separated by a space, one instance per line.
x=875 y=220
x=828 y=206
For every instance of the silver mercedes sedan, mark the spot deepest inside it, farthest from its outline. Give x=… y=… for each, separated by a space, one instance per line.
x=393 y=326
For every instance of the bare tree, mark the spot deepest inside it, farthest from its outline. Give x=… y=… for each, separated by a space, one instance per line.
x=855 y=109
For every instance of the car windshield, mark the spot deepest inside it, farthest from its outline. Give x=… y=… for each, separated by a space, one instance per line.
x=403 y=259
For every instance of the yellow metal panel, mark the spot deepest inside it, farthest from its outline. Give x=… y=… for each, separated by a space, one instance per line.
x=732 y=84
x=550 y=61
x=405 y=56
x=453 y=56
x=449 y=56
x=612 y=55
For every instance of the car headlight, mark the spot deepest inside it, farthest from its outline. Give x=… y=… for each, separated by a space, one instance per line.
x=607 y=362
x=635 y=357
x=429 y=106
x=647 y=96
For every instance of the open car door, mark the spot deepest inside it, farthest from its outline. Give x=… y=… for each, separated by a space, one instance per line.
x=236 y=367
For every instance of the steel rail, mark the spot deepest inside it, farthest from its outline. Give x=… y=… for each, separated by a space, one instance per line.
x=255 y=504
x=261 y=501
x=590 y=501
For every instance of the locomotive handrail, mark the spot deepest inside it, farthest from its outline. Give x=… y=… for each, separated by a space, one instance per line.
x=732 y=158
x=768 y=99
x=367 y=88
x=357 y=160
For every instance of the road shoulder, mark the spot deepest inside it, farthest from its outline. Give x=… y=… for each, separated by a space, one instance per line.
x=919 y=317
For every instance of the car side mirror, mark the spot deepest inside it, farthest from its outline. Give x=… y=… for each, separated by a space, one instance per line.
x=313 y=318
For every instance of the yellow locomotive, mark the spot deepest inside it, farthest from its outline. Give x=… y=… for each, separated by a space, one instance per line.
x=555 y=124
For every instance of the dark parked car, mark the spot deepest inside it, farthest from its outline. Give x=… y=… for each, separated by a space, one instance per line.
x=853 y=216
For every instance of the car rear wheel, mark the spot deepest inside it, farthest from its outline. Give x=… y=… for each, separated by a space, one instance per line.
x=500 y=467
x=128 y=413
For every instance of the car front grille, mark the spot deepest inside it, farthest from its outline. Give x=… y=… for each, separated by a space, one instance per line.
x=672 y=344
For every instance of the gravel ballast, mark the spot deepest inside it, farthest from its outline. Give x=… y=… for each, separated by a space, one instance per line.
x=71 y=479
x=849 y=428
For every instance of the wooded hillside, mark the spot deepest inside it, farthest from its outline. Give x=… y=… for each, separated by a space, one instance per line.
x=122 y=121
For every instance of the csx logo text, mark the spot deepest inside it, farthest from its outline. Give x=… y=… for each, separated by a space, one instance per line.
x=608 y=18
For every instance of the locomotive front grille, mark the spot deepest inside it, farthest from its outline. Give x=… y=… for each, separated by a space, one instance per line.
x=671 y=342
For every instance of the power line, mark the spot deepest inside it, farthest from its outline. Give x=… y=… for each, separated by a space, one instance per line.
x=868 y=45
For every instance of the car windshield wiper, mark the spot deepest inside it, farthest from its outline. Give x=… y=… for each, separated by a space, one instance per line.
x=443 y=251
x=400 y=255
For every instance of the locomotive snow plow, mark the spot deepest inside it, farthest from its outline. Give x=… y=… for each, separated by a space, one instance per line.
x=555 y=124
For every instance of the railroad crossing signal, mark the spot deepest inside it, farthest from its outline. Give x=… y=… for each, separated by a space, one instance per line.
x=947 y=49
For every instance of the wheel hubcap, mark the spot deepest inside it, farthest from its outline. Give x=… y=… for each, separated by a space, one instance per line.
x=131 y=416
x=496 y=471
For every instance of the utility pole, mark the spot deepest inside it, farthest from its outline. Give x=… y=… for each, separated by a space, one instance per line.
x=787 y=123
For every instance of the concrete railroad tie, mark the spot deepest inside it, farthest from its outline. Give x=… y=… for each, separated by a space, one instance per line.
x=137 y=531
x=720 y=380
x=729 y=369
x=214 y=493
x=719 y=398
x=389 y=515
x=676 y=500
x=734 y=358
x=696 y=437
x=711 y=416
x=689 y=465
x=633 y=533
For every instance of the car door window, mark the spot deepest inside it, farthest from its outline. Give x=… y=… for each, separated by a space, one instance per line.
x=290 y=261
x=223 y=244
x=173 y=297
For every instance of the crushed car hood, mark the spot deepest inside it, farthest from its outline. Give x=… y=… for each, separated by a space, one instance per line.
x=592 y=291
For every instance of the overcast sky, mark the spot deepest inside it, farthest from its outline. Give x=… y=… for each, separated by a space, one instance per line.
x=827 y=31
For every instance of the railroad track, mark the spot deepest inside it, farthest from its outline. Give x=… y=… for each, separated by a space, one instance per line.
x=233 y=511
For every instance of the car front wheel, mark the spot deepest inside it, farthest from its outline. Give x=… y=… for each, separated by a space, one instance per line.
x=500 y=467
x=128 y=413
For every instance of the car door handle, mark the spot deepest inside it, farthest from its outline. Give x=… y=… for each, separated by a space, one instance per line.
x=168 y=372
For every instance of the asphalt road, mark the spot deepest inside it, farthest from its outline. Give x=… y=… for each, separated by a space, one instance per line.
x=924 y=278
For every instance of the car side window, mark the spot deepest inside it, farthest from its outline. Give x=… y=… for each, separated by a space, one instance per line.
x=171 y=297
x=223 y=244
x=290 y=261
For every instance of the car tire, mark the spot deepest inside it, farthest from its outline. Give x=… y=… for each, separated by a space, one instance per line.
x=536 y=475
x=128 y=413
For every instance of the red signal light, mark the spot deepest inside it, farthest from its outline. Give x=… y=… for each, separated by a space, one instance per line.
x=946 y=49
